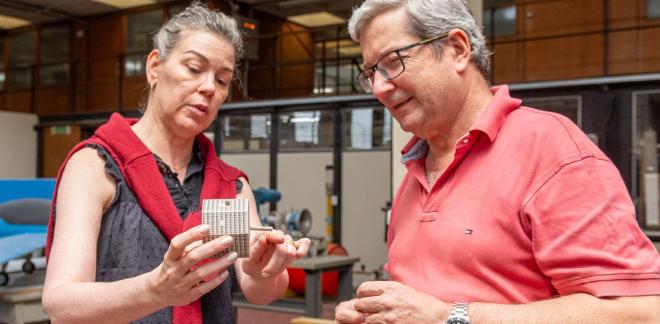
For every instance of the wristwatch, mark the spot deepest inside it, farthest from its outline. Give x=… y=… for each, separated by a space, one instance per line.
x=459 y=314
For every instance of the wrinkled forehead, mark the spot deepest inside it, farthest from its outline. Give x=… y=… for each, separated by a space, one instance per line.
x=210 y=45
x=384 y=33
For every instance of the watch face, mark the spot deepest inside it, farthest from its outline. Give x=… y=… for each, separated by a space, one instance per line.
x=457 y=321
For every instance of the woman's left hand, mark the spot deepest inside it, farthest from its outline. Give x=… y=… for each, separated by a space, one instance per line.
x=272 y=252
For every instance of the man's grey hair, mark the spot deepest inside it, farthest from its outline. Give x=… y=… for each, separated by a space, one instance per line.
x=428 y=18
x=198 y=17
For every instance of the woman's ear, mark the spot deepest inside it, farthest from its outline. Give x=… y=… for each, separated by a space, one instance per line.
x=153 y=63
x=461 y=47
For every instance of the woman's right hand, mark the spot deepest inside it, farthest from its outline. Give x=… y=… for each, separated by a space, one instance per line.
x=177 y=281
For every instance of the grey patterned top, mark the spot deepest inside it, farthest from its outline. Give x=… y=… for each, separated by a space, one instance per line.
x=130 y=243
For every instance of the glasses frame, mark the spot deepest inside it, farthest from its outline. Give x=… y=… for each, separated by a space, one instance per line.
x=367 y=83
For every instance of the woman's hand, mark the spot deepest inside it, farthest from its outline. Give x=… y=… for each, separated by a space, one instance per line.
x=272 y=252
x=180 y=279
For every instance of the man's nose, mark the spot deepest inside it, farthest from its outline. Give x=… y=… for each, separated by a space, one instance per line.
x=381 y=86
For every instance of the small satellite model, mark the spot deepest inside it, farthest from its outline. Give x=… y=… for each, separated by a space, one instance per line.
x=229 y=217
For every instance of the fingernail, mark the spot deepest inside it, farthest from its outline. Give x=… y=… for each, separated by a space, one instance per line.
x=232 y=256
x=227 y=240
x=204 y=228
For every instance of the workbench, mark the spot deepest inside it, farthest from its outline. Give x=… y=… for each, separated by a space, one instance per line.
x=313 y=267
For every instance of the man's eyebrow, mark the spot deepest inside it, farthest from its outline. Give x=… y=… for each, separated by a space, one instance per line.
x=206 y=60
x=387 y=50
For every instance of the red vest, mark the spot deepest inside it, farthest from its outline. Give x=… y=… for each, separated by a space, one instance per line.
x=139 y=168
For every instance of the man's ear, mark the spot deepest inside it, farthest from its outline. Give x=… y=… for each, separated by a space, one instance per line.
x=153 y=63
x=461 y=48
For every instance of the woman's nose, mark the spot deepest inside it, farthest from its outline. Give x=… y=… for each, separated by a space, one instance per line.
x=207 y=85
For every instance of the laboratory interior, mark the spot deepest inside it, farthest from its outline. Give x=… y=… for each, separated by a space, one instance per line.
x=323 y=156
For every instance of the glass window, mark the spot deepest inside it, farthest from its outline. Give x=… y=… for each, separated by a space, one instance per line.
x=646 y=123
x=21 y=59
x=135 y=65
x=2 y=59
x=348 y=71
x=50 y=74
x=501 y=19
x=55 y=44
x=242 y=133
x=653 y=9
x=55 y=51
x=141 y=27
x=306 y=130
x=569 y=106
x=367 y=128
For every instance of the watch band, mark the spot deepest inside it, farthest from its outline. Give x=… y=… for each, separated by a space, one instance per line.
x=459 y=314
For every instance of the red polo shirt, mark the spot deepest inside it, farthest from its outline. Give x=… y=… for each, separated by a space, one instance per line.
x=530 y=208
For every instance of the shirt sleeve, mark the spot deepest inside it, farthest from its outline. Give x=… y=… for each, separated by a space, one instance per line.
x=585 y=236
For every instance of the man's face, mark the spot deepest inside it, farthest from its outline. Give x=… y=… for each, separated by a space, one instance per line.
x=416 y=98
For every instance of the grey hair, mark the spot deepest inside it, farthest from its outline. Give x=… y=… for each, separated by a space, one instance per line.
x=197 y=17
x=428 y=18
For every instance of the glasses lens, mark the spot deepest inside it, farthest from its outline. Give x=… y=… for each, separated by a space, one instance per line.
x=391 y=66
x=366 y=78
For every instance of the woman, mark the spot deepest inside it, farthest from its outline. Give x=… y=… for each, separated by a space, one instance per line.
x=126 y=245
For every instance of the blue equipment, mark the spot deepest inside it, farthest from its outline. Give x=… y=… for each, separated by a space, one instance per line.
x=264 y=195
x=24 y=212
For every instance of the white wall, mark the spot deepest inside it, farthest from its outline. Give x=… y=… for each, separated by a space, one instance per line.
x=365 y=190
x=255 y=165
x=301 y=180
x=18 y=145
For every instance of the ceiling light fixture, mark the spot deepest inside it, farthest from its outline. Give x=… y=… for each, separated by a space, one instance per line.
x=9 y=22
x=317 y=19
x=124 y=4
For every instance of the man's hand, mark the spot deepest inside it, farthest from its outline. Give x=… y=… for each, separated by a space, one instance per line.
x=345 y=313
x=392 y=302
x=272 y=252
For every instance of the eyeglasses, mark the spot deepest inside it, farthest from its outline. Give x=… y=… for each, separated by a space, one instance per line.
x=390 y=65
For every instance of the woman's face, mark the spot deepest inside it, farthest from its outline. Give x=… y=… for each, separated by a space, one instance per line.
x=188 y=88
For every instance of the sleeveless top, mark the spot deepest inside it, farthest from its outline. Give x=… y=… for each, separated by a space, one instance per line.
x=130 y=244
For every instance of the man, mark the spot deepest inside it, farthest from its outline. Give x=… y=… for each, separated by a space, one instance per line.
x=507 y=214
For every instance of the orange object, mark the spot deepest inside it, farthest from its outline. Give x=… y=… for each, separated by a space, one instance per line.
x=329 y=279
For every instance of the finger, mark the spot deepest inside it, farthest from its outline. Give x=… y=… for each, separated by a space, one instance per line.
x=206 y=286
x=209 y=270
x=302 y=247
x=179 y=243
x=371 y=288
x=372 y=304
x=208 y=250
x=276 y=237
x=379 y=318
x=345 y=313
x=282 y=253
x=193 y=246
x=258 y=248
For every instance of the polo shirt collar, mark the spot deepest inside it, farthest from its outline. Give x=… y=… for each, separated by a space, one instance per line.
x=498 y=109
x=489 y=123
